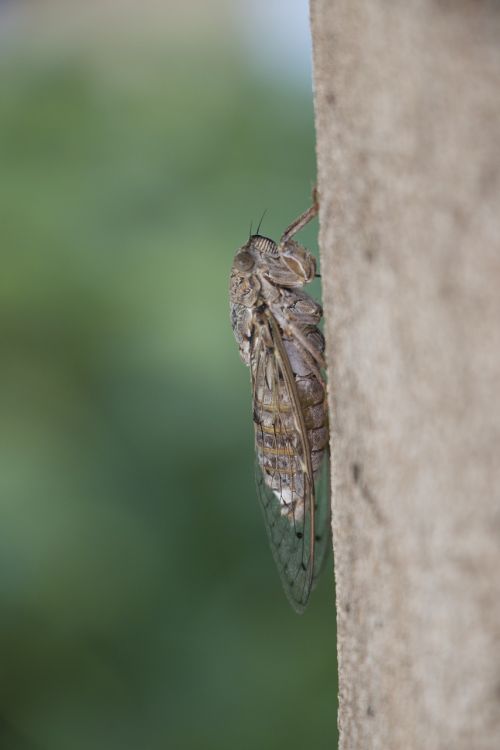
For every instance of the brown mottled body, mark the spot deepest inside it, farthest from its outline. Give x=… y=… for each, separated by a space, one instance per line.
x=276 y=326
x=279 y=447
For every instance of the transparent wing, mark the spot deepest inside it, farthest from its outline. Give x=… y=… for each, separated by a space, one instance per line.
x=296 y=517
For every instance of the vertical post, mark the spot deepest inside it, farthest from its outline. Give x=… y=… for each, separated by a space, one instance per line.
x=407 y=103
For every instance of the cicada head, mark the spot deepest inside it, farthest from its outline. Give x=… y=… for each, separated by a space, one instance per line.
x=245 y=284
x=250 y=262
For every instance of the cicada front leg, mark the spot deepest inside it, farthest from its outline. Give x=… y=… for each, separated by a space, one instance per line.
x=300 y=222
x=295 y=257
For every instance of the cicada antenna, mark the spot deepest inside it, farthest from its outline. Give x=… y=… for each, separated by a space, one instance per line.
x=260 y=222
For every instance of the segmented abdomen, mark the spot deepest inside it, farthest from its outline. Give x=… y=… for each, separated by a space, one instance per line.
x=279 y=443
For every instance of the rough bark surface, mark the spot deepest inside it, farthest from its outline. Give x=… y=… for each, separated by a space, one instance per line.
x=407 y=101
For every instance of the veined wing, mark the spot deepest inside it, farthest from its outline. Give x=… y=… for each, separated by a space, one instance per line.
x=296 y=524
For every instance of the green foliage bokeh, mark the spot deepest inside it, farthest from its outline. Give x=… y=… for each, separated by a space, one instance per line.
x=140 y=604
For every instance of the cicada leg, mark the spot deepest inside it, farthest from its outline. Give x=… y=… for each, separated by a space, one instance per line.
x=301 y=221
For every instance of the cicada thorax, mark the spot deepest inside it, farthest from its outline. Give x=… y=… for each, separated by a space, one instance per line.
x=279 y=430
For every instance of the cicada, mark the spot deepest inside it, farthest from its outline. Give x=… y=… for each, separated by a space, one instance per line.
x=276 y=327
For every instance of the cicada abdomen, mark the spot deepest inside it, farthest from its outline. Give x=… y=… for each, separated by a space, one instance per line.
x=276 y=326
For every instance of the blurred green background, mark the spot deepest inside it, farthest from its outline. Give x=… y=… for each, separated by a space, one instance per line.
x=140 y=606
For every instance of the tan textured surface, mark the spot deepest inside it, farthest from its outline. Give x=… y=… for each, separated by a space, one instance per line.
x=407 y=98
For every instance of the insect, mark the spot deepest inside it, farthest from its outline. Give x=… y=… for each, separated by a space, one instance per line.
x=275 y=324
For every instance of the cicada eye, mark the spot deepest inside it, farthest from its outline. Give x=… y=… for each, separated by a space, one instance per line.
x=243 y=261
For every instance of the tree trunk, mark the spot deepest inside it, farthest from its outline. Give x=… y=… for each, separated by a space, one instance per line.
x=407 y=101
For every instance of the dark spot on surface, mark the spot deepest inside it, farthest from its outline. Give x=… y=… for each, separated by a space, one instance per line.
x=347 y=607
x=330 y=99
x=318 y=538
x=356 y=472
x=303 y=566
x=369 y=255
x=370 y=711
x=299 y=535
